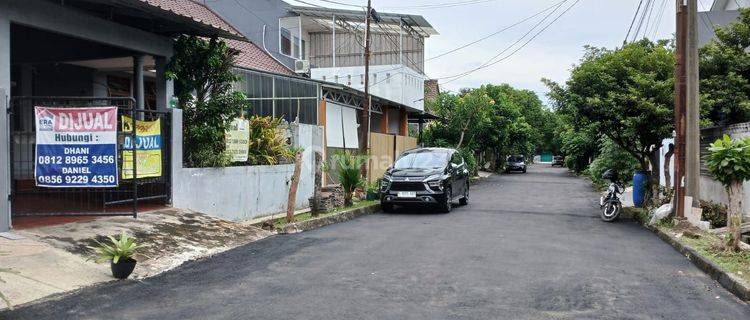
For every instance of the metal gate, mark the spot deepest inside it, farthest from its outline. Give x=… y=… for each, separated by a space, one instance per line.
x=30 y=200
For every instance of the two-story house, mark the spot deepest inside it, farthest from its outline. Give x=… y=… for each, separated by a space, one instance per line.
x=722 y=13
x=327 y=45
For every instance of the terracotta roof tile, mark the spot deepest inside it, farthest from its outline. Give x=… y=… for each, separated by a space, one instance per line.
x=250 y=55
x=253 y=57
x=196 y=11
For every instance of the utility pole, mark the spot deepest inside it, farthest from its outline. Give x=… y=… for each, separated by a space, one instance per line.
x=679 y=109
x=365 y=118
x=692 y=106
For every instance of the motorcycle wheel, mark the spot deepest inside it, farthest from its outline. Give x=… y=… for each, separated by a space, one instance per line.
x=610 y=212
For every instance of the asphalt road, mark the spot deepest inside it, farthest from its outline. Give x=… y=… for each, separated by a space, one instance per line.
x=528 y=246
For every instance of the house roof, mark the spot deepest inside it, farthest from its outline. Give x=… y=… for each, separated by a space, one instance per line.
x=250 y=56
x=417 y=22
x=253 y=57
x=196 y=12
x=164 y=17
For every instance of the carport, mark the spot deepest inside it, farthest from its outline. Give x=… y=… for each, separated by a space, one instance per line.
x=84 y=54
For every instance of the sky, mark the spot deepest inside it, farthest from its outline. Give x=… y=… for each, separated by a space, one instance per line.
x=600 y=23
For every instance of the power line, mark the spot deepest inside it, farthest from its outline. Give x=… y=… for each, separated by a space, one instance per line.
x=342 y=3
x=640 y=21
x=648 y=20
x=633 y=22
x=496 y=32
x=442 y=5
x=660 y=16
x=488 y=64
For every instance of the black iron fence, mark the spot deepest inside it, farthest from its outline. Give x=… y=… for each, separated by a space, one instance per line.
x=149 y=185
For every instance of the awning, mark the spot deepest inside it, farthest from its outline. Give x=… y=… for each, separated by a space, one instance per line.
x=417 y=22
x=422 y=117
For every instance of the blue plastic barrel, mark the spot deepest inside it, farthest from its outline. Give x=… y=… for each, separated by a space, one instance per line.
x=640 y=184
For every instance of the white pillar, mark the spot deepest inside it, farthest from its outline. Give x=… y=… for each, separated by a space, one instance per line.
x=5 y=54
x=138 y=92
x=333 y=42
x=5 y=178
x=164 y=86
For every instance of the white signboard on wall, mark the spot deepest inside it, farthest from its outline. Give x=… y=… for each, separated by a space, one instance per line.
x=341 y=126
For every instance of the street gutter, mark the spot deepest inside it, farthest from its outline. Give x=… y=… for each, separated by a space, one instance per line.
x=726 y=279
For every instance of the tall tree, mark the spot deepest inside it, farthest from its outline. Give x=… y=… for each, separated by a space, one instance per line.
x=627 y=94
x=202 y=71
x=725 y=74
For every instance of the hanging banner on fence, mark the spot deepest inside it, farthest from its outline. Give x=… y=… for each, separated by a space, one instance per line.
x=238 y=139
x=148 y=148
x=76 y=147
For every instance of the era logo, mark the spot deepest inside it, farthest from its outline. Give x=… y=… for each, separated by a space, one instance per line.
x=45 y=122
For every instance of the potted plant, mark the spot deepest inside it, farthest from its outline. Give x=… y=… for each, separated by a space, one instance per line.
x=119 y=252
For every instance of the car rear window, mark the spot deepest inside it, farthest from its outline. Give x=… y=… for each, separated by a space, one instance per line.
x=515 y=159
x=422 y=160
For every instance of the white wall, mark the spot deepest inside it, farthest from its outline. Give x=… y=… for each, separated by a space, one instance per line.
x=662 y=151
x=710 y=189
x=246 y=192
x=393 y=82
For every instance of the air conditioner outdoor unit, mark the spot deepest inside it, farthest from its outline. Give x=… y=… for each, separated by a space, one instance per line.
x=302 y=66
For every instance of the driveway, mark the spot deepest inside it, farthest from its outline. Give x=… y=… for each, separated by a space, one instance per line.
x=528 y=246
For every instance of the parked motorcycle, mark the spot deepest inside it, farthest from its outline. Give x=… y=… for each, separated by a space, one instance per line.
x=610 y=204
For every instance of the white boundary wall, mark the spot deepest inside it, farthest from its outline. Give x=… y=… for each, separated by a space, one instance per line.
x=710 y=189
x=247 y=192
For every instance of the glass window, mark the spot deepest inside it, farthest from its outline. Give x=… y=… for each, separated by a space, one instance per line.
x=422 y=160
x=294 y=43
x=285 y=45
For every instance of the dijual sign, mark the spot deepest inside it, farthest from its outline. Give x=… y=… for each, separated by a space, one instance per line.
x=147 y=146
x=76 y=147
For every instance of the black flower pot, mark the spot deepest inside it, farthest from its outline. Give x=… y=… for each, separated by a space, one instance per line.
x=123 y=268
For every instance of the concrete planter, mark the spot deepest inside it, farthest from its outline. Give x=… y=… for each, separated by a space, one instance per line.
x=331 y=219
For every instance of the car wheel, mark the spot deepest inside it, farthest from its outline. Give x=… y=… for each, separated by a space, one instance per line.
x=465 y=199
x=447 y=204
x=386 y=207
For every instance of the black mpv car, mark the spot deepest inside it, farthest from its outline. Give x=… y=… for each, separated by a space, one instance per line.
x=426 y=176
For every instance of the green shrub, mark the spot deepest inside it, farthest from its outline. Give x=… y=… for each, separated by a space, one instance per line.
x=471 y=161
x=268 y=146
x=728 y=162
x=611 y=156
x=715 y=213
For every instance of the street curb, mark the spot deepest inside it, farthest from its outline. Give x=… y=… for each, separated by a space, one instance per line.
x=725 y=279
x=347 y=215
